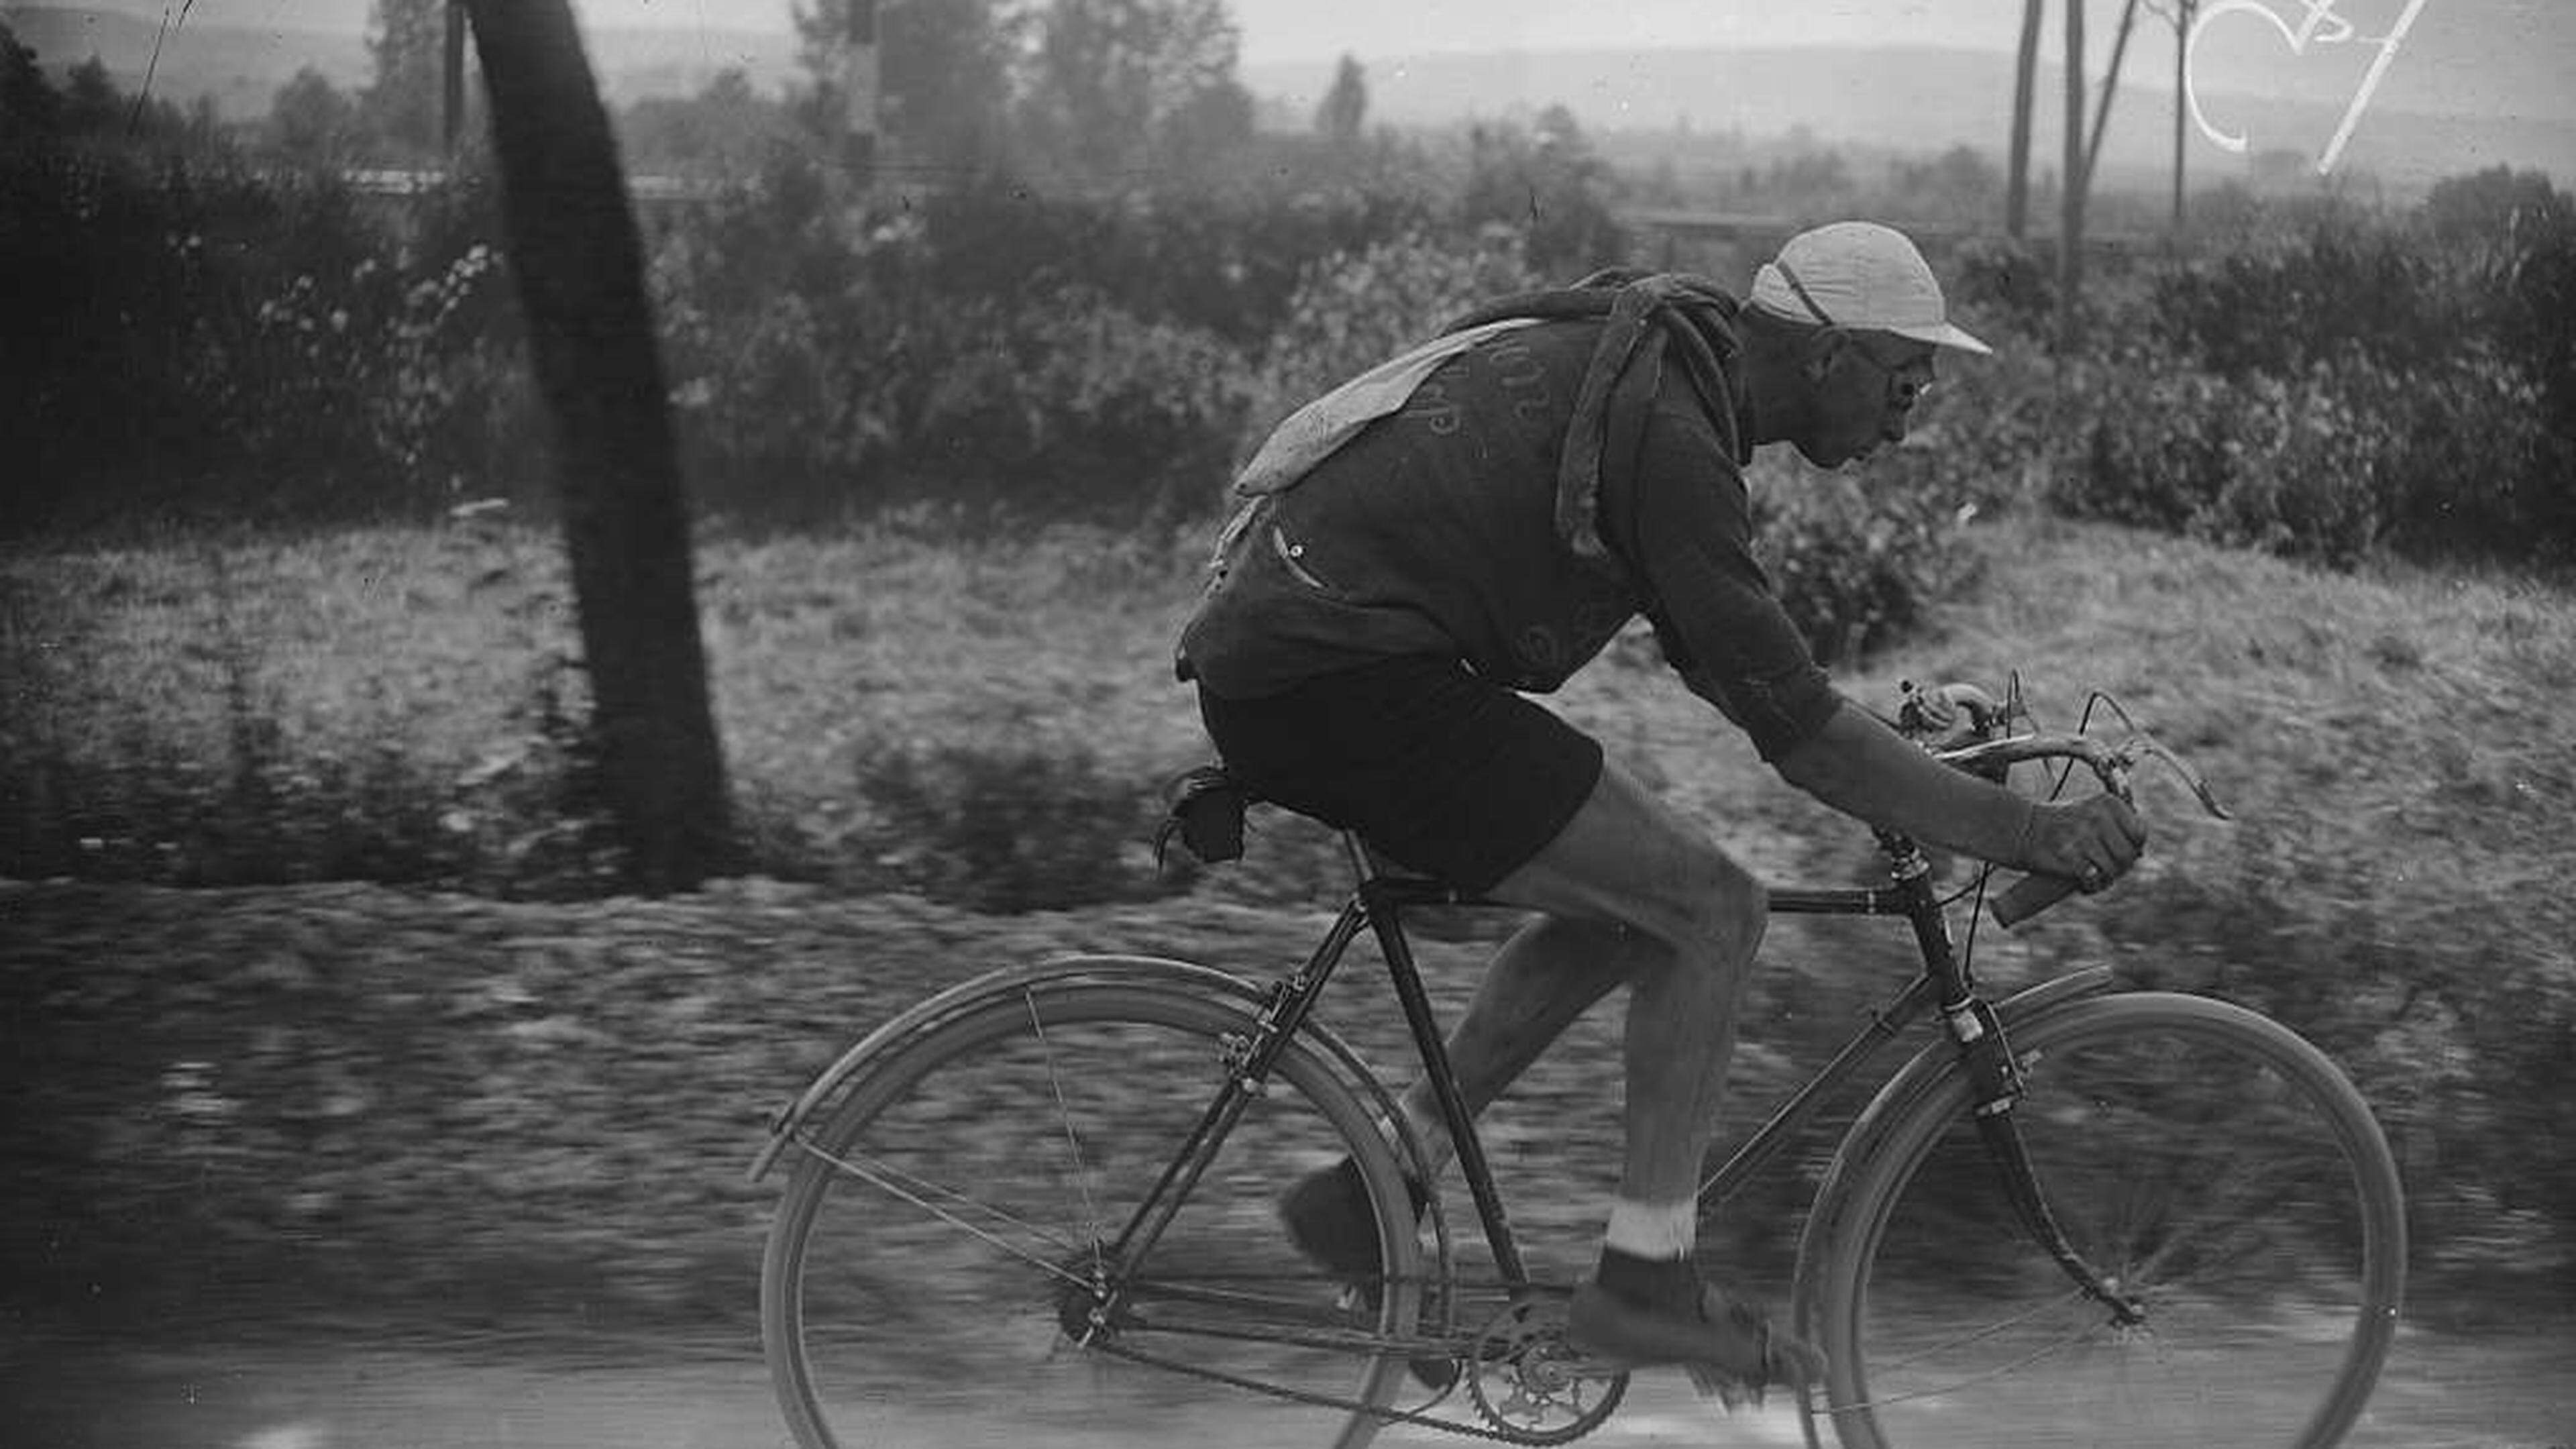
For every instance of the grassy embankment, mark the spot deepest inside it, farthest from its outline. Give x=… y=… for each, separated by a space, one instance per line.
x=397 y=1088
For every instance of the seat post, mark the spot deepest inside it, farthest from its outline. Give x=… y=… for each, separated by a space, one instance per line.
x=1358 y=853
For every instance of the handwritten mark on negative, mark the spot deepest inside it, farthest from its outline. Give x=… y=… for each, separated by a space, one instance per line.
x=2317 y=24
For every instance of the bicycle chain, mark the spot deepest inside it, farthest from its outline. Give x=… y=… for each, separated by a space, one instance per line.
x=1489 y=1430
x=1320 y=1401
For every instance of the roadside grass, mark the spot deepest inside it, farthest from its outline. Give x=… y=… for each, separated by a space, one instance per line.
x=209 y=712
x=910 y=715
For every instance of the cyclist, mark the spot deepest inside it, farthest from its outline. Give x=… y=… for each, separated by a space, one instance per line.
x=1426 y=546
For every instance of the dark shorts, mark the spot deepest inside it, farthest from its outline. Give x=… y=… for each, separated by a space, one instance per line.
x=1435 y=766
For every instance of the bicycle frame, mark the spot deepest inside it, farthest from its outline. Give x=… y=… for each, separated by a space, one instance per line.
x=1945 y=986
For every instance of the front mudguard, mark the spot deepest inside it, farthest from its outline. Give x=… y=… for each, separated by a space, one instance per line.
x=1869 y=1130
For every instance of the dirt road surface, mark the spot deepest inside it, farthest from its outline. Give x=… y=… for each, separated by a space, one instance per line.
x=2493 y=1390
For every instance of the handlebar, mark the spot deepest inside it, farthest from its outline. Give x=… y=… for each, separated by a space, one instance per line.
x=1968 y=729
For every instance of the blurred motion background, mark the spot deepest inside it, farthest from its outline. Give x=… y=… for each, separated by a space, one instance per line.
x=332 y=1005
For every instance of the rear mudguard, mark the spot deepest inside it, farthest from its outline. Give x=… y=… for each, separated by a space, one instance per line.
x=1150 y=971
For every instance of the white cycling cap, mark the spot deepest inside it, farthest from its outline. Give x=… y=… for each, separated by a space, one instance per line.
x=1862 y=276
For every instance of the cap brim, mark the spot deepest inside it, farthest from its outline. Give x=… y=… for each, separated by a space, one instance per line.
x=1944 y=335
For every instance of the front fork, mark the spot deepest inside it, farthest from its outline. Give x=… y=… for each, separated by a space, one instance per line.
x=1995 y=1086
x=1996 y=1083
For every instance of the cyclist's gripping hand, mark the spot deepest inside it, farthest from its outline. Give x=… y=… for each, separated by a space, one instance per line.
x=2093 y=840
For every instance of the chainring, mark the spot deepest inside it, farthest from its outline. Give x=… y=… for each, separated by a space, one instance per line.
x=1530 y=1385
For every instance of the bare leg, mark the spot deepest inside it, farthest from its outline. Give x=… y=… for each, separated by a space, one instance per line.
x=1633 y=894
x=1550 y=972
x=1630 y=892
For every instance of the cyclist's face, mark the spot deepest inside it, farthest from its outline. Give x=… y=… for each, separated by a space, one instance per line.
x=1865 y=395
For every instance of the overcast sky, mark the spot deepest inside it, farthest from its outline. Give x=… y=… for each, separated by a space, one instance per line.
x=2484 y=57
x=2519 y=55
x=1302 y=29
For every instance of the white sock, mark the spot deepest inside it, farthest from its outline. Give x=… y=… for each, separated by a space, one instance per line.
x=1653 y=1230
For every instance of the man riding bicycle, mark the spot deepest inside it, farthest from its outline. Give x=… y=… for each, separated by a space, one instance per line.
x=1473 y=522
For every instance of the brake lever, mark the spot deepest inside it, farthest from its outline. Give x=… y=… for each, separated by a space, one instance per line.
x=2142 y=743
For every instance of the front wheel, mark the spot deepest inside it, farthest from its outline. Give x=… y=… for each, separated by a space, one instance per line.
x=2218 y=1170
x=947 y=1268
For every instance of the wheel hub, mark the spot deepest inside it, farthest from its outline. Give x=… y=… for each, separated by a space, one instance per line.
x=1087 y=1300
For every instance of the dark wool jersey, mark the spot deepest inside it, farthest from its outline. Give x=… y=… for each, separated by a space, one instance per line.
x=1435 y=531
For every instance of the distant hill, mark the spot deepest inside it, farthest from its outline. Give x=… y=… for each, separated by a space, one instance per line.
x=1917 y=99
x=242 y=66
x=1911 y=98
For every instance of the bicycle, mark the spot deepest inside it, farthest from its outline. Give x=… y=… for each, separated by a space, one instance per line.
x=1041 y=1203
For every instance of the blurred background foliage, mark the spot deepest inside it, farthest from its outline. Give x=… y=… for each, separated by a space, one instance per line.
x=219 y=324
x=274 y=613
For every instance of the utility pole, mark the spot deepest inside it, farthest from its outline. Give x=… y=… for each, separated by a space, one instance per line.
x=451 y=90
x=860 y=84
x=2025 y=81
x=2070 y=229
x=2184 y=13
x=2110 y=88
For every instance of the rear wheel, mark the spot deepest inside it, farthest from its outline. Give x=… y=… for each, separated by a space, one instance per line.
x=2218 y=1169
x=945 y=1267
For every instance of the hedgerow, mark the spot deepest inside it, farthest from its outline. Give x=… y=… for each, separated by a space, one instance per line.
x=2346 y=386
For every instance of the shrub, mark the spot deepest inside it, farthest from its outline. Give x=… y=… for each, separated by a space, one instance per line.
x=2327 y=465
x=2278 y=306
x=1352 y=311
x=210 y=342
x=374 y=391
x=1225 y=261
x=1548 y=188
x=1066 y=408
x=1076 y=408
x=2005 y=278
x=1856 y=564
x=1008 y=828
x=2351 y=385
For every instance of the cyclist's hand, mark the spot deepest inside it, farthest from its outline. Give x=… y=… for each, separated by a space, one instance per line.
x=2093 y=840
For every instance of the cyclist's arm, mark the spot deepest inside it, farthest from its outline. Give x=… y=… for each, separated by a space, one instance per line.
x=1861 y=767
x=1864 y=769
x=1683 y=521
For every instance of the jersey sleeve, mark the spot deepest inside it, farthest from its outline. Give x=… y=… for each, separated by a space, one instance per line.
x=1683 y=520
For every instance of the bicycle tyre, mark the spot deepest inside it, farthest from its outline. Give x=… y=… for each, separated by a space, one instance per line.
x=1041 y=1112
x=2217 y=1166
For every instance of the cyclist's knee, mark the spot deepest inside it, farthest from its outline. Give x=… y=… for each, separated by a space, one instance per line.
x=1627 y=859
x=1701 y=906
x=1724 y=911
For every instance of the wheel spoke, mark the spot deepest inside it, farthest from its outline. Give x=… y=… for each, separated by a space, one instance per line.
x=939 y=1273
x=2218 y=1170
x=949 y=1206
x=1980 y=1335
x=1092 y=1227
x=1953 y=1387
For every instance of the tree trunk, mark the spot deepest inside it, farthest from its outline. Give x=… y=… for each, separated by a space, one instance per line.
x=2110 y=88
x=579 y=265
x=2183 y=15
x=2025 y=81
x=2070 y=230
